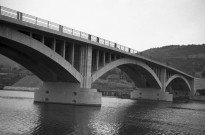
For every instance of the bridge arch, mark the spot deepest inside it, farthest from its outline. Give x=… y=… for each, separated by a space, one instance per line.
x=35 y=56
x=176 y=76
x=128 y=65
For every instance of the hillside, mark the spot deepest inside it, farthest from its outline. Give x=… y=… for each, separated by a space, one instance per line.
x=190 y=58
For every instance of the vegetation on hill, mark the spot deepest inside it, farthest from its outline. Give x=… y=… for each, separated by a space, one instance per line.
x=188 y=58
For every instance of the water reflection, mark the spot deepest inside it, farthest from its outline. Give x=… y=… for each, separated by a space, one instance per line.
x=63 y=119
x=114 y=117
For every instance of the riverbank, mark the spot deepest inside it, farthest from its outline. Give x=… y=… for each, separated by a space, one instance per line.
x=14 y=88
x=18 y=94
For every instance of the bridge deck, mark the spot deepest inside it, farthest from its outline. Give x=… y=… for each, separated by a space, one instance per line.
x=13 y=17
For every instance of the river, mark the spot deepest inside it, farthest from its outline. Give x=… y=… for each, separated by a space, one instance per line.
x=19 y=115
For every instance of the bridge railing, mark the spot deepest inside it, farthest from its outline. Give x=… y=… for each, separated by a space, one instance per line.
x=8 y=12
x=29 y=18
x=66 y=30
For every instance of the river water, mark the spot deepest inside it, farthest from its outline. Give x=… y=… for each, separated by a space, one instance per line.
x=19 y=115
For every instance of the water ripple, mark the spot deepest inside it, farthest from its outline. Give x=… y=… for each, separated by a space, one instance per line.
x=115 y=117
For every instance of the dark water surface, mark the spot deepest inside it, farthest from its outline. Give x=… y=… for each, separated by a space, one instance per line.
x=20 y=116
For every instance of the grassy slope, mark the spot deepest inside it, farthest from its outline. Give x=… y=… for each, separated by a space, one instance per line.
x=6 y=62
x=29 y=81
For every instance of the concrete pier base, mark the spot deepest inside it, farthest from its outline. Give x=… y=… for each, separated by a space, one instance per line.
x=67 y=93
x=151 y=94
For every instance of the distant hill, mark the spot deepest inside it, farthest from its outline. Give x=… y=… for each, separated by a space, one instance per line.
x=188 y=58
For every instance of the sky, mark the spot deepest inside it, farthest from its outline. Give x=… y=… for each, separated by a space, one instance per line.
x=138 y=24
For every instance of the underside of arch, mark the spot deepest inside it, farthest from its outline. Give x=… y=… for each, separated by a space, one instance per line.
x=178 y=82
x=141 y=74
x=35 y=56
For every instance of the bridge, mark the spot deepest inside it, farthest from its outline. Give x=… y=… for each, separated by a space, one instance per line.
x=68 y=61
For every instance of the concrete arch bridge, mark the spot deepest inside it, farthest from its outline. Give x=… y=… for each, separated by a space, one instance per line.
x=69 y=61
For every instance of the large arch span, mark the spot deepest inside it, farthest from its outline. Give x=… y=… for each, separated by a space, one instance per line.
x=139 y=72
x=35 y=56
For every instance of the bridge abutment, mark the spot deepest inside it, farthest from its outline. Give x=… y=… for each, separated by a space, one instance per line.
x=67 y=93
x=151 y=94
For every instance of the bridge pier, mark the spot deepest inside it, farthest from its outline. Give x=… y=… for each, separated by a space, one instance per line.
x=67 y=93
x=151 y=94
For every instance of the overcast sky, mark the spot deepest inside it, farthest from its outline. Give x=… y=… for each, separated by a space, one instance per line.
x=138 y=24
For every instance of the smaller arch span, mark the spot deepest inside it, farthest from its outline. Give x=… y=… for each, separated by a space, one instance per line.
x=175 y=77
x=124 y=61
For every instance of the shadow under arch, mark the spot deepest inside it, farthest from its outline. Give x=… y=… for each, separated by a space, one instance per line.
x=180 y=82
x=141 y=74
x=35 y=56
